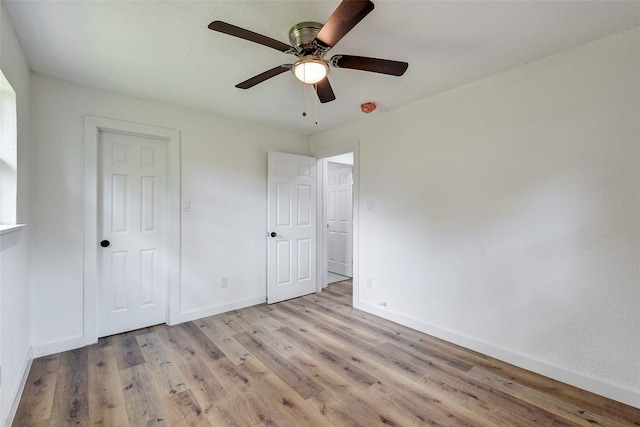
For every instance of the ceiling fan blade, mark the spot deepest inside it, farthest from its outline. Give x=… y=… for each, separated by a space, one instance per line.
x=383 y=66
x=344 y=18
x=264 y=76
x=232 y=30
x=324 y=91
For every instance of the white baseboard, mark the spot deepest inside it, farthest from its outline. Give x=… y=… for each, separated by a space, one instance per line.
x=17 y=394
x=218 y=309
x=620 y=394
x=80 y=341
x=58 y=346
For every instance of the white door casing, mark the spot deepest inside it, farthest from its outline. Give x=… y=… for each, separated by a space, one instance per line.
x=291 y=221
x=132 y=283
x=93 y=235
x=339 y=220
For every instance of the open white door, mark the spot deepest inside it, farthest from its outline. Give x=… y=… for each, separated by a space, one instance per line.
x=291 y=221
x=339 y=219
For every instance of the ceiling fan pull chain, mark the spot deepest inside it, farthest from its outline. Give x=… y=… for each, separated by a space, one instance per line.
x=316 y=107
x=304 y=100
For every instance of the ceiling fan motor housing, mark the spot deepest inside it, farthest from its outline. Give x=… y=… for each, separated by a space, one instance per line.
x=302 y=37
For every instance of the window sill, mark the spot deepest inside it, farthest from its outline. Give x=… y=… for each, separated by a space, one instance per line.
x=10 y=235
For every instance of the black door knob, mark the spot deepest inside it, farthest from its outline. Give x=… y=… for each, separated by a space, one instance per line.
x=273 y=234
x=105 y=243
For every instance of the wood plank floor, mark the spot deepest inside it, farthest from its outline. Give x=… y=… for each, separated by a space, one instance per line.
x=312 y=361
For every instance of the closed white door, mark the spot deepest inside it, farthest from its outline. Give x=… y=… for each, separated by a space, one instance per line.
x=132 y=212
x=339 y=219
x=291 y=219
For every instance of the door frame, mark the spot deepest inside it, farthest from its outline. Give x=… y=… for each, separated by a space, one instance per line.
x=321 y=252
x=93 y=125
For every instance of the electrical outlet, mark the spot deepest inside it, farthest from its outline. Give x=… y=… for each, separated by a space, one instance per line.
x=224 y=282
x=369 y=283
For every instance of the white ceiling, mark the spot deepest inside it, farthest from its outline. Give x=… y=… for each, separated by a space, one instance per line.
x=163 y=50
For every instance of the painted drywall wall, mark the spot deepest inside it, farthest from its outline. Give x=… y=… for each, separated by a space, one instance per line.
x=15 y=339
x=223 y=166
x=507 y=215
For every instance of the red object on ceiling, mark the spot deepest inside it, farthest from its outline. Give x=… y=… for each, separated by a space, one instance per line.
x=368 y=107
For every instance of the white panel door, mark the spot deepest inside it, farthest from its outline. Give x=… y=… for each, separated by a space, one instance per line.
x=132 y=212
x=339 y=220
x=291 y=218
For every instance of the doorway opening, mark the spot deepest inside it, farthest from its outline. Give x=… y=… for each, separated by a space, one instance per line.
x=338 y=216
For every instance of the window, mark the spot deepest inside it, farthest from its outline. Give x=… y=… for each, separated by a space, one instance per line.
x=8 y=152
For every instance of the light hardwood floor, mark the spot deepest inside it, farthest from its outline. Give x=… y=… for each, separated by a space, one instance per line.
x=312 y=361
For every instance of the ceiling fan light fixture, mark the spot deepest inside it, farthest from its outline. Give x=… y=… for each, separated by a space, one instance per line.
x=310 y=69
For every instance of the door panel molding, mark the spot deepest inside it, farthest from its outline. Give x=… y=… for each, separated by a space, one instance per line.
x=93 y=125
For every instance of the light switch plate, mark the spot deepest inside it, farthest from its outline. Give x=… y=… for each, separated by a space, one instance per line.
x=371 y=205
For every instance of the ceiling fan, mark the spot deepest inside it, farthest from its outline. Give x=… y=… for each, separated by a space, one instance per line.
x=310 y=42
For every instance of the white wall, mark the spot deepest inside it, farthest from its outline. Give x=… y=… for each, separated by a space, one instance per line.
x=345 y=159
x=224 y=176
x=14 y=274
x=507 y=215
